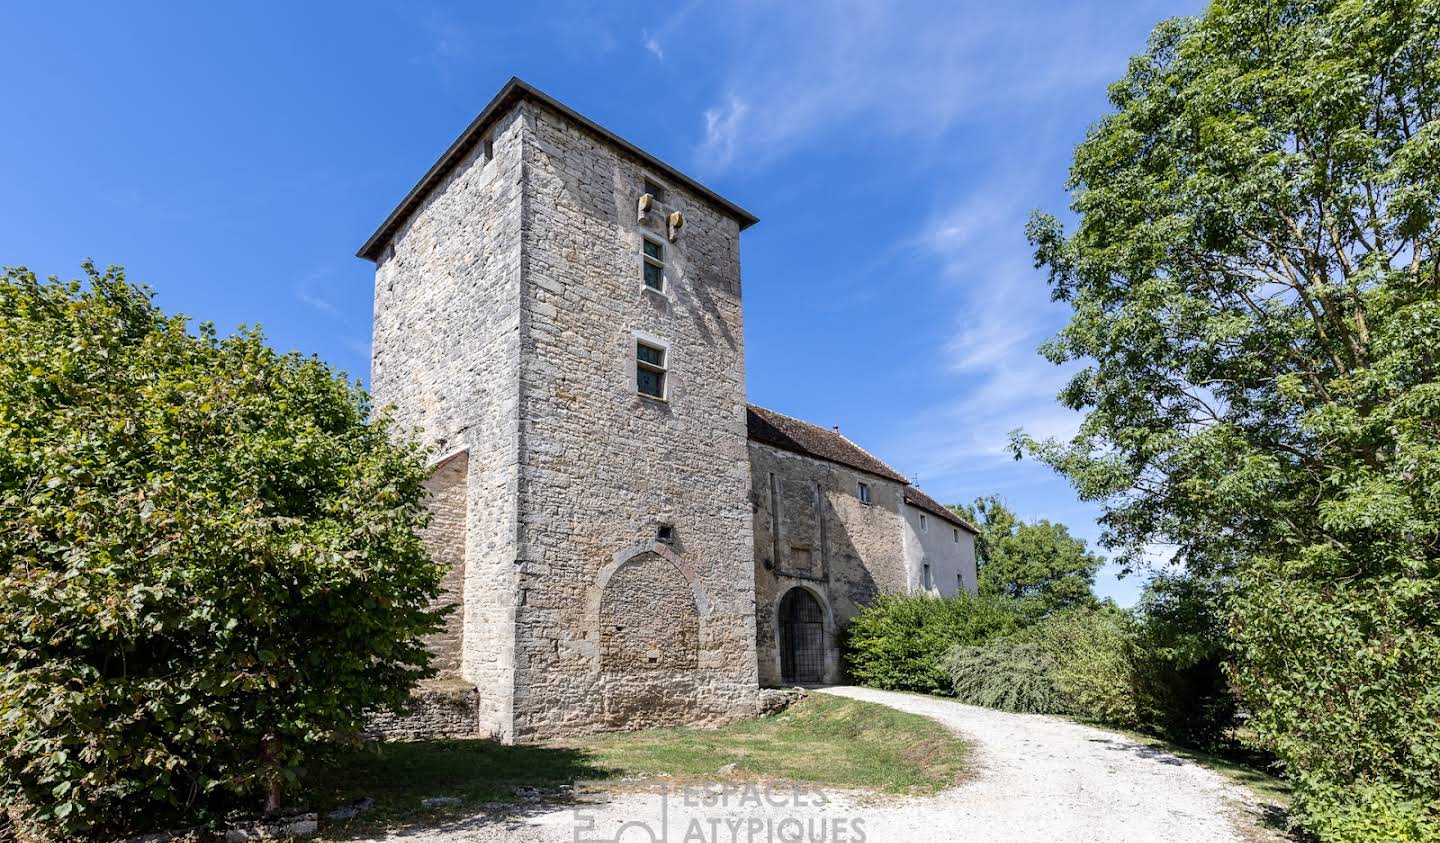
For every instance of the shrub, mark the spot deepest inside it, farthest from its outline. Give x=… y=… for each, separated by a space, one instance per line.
x=1007 y=674
x=209 y=566
x=1179 y=649
x=899 y=642
x=1346 y=674
x=1091 y=655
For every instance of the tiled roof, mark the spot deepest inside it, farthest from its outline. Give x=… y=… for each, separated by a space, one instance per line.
x=771 y=428
x=917 y=498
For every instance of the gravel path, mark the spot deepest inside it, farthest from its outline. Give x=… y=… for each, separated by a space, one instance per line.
x=1036 y=779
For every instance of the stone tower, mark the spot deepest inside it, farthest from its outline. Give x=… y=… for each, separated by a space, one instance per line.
x=558 y=314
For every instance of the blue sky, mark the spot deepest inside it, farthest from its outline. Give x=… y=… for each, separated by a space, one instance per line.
x=234 y=157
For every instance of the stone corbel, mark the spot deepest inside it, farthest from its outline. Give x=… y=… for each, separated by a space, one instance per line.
x=677 y=222
x=642 y=208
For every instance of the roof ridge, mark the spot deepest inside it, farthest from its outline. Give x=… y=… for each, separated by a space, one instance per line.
x=870 y=463
x=863 y=450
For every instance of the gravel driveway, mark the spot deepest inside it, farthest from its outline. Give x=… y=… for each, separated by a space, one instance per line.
x=1036 y=779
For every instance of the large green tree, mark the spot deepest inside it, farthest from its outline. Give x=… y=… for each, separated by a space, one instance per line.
x=209 y=566
x=1030 y=560
x=1256 y=300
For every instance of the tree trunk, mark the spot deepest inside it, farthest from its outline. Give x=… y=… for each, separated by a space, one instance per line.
x=270 y=766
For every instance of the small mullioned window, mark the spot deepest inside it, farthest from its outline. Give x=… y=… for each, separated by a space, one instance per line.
x=652 y=270
x=650 y=370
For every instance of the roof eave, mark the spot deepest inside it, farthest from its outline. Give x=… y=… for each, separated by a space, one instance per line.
x=514 y=90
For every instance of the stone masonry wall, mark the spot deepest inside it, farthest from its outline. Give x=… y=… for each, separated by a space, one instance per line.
x=845 y=552
x=445 y=536
x=446 y=710
x=446 y=355
x=601 y=467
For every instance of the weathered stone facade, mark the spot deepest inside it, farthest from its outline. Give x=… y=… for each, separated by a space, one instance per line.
x=605 y=545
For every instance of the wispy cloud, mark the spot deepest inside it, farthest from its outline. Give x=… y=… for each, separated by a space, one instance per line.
x=912 y=68
x=308 y=292
x=654 y=40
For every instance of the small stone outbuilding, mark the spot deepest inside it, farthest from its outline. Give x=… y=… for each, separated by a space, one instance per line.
x=629 y=543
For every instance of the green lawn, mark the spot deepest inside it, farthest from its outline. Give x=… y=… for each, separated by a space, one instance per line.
x=822 y=740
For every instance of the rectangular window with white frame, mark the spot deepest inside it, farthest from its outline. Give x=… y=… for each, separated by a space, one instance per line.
x=652 y=264
x=924 y=524
x=651 y=362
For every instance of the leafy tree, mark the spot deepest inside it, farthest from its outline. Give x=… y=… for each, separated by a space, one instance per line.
x=1036 y=560
x=209 y=567
x=1256 y=296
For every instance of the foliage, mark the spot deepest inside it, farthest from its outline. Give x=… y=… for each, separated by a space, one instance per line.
x=209 y=566
x=898 y=641
x=1007 y=674
x=1256 y=303
x=1091 y=662
x=1178 y=655
x=1036 y=560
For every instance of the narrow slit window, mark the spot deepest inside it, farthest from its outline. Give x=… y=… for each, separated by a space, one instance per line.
x=924 y=524
x=650 y=370
x=863 y=493
x=925 y=578
x=652 y=264
x=956 y=531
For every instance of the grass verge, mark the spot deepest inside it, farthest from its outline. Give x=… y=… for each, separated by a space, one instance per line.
x=821 y=740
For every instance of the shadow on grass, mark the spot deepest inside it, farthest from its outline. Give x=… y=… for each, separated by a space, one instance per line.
x=460 y=775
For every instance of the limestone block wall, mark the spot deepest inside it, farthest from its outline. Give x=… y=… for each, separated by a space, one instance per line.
x=448 y=490
x=947 y=549
x=446 y=356
x=444 y=710
x=602 y=468
x=811 y=531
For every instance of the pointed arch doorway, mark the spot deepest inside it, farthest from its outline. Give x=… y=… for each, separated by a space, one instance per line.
x=802 y=638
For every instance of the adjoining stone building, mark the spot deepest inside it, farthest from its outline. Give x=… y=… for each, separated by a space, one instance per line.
x=558 y=314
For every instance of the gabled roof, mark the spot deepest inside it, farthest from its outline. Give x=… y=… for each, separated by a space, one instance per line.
x=781 y=431
x=920 y=500
x=514 y=91
x=791 y=434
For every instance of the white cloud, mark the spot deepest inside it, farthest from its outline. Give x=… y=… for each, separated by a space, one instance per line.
x=307 y=292
x=654 y=40
x=911 y=69
x=722 y=129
